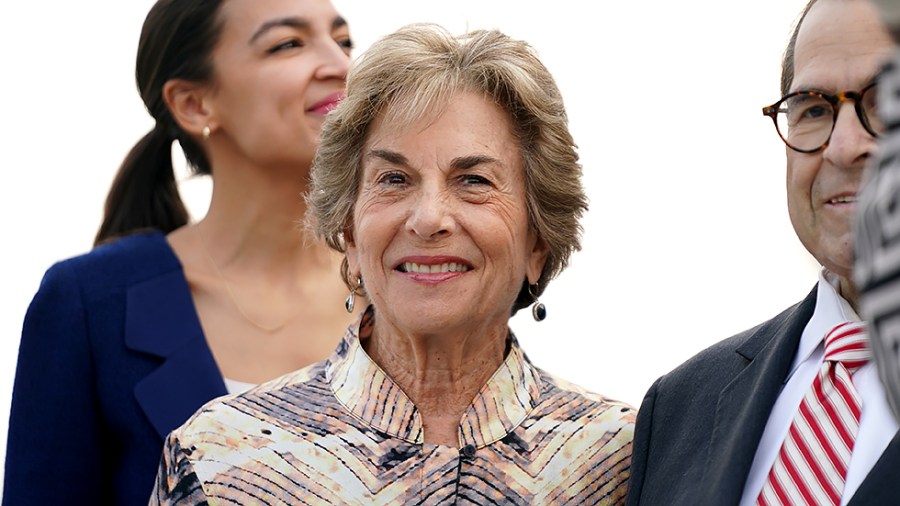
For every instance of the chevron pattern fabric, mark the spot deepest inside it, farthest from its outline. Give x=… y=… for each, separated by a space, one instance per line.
x=811 y=466
x=341 y=432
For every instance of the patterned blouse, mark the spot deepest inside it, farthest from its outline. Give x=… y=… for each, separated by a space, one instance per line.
x=342 y=432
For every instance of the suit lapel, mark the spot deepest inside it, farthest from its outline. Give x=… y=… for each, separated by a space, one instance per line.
x=744 y=404
x=882 y=484
x=160 y=320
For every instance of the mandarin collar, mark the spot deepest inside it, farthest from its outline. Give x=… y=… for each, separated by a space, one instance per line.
x=501 y=405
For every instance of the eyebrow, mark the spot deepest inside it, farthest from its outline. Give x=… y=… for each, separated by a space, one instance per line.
x=467 y=162
x=389 y=156
x=458 y=163
x=292 y=22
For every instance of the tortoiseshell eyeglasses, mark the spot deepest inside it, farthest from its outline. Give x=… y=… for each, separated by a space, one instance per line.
x=805 y=119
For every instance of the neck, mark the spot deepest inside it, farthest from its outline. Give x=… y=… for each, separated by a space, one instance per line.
x=250 y=260
x=441 y=374
x=265 y=200
x=849 y=293
x=256 y=220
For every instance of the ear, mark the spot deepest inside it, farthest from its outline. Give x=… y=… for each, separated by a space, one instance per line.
x=536 y=259
x=351 y=251
x=188 y=102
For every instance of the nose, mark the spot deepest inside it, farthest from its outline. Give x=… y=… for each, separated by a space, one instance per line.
x=431 y=217
x=850 y=145
x=334 y=62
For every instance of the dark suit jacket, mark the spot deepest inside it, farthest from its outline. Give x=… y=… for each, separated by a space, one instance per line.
x=112 y=358
x=698 y=426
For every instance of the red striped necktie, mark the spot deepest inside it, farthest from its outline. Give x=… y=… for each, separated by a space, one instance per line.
x=812 y=464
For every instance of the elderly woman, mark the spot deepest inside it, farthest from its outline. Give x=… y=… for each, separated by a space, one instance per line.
x=450 y=181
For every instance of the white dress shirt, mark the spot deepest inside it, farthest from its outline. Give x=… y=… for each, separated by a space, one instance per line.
x=877 y=426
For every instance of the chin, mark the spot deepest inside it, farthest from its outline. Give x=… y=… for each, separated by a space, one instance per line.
x=425 y=319
x=839 y=263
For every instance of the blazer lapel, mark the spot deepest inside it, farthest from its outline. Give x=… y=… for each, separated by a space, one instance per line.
x=160 y=320
x=744 y=404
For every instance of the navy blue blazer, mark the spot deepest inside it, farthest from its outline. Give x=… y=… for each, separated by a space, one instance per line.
x=698 y=427
x=112 y=358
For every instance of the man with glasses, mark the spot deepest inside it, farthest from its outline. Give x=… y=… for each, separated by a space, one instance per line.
x=791 y=411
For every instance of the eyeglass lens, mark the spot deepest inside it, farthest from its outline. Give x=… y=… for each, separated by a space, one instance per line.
x=805 y=120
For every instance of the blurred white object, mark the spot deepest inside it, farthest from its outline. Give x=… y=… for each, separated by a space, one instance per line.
x=890 y=12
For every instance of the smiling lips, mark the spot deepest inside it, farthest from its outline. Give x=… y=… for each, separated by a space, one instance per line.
x=843 y=199
x=327 y=104
x=433 y=271
x=415 y=268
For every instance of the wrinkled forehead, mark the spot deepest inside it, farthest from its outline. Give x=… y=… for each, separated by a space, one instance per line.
x=841 y=45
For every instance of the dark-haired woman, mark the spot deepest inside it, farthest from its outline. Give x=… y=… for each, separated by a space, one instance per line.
x=122 y=345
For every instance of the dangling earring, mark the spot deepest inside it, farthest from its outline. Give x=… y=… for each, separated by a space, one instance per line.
x=538 y=310
x=205 y=132
x=350 y=301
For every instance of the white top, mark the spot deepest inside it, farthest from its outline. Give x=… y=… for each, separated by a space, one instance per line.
x=876 y=426
x=236 y=387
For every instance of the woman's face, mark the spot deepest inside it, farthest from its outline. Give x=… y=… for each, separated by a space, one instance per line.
x=279 y=67
x=441 y=235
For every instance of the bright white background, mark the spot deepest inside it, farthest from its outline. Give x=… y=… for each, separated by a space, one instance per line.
x=687 y=240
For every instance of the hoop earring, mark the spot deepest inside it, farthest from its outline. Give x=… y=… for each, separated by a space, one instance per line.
x=538 y=309
x=206 y=132
x=350 y=301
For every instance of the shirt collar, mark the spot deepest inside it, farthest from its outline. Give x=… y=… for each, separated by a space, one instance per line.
x=371 y=396
x=831 y=309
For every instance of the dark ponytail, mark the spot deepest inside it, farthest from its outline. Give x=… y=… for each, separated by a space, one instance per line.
x=177 y=40
x=144 y=195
